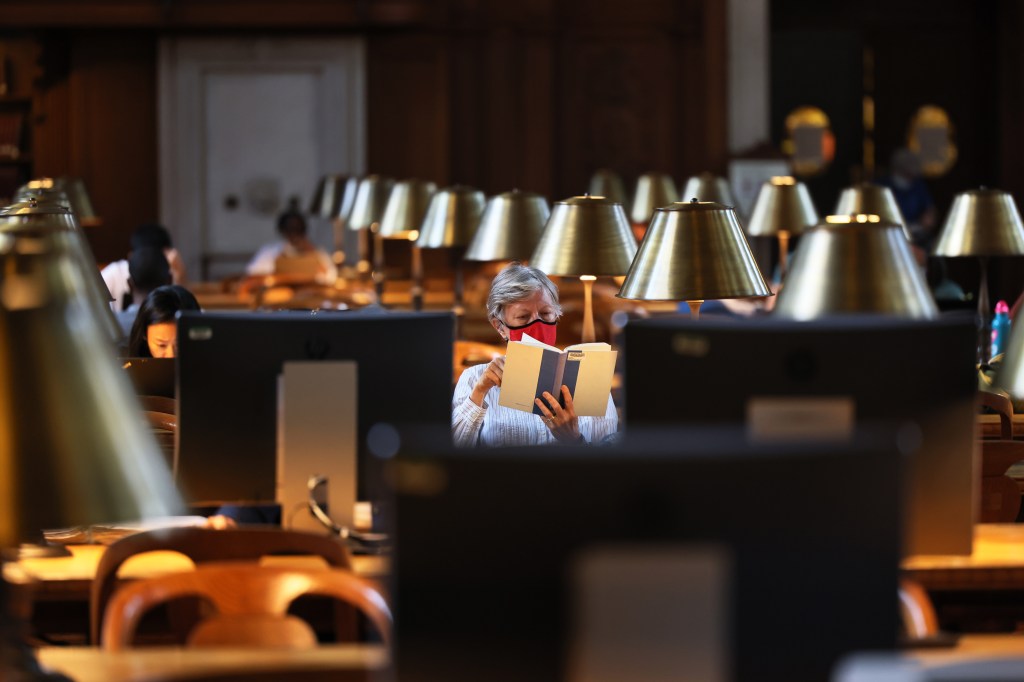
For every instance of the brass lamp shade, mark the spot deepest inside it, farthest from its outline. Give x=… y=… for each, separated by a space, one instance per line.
x=334 y=196
x=708 y=187
x=510 y=228
x=369 y=202
x=982 y=222
x=38 y=218
x=653 y=190
x=405 y=208
x=854 y=267
x=694 y=251
x=869 y=199
x=783 y=205
x=66 y=191
x=452 y=218
x=607 y=183
x=74 y=448
x=585 y=236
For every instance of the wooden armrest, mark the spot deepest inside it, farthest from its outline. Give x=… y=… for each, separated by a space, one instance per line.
x=1002 y=406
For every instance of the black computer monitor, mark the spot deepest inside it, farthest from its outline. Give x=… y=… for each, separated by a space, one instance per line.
x=789 y=381
x=151 y=376
x=229 y=366
x=685 y=555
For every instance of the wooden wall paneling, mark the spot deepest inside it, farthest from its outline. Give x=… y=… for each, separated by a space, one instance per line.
x=537 y=114
x=616 y=102
x=470 y=110
x=114 y=133
x=408 y=108
x=1011 y=98
x=716 y=85
x=223 y=14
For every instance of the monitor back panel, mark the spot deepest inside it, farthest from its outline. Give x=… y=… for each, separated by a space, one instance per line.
x=229 y=367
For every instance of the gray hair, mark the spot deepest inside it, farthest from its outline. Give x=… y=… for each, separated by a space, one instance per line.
x=515 y=283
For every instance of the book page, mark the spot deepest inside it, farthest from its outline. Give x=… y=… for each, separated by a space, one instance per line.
x=534 y=342
x=588 y=374
x=589 y=346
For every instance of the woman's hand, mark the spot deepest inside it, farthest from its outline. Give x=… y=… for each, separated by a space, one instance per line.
x=563 y=422
x=488 y=380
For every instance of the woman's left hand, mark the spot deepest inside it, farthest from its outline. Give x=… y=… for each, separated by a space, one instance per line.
x=562 y=421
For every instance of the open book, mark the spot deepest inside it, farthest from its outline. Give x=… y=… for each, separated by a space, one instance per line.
x=532 y=367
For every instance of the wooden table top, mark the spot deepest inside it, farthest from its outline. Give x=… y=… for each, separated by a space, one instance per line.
x=90 y=664
x=996 y=562
x=67 y=578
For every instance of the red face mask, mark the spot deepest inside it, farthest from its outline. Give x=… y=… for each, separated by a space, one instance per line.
x=544 y=332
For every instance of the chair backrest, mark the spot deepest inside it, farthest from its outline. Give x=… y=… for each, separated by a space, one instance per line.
x=250 y=602
x=203 y=545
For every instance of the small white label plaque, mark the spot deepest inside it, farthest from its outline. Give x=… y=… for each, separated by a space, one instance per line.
x=786 y=419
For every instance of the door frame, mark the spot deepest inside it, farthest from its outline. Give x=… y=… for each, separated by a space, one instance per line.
x=184 y=63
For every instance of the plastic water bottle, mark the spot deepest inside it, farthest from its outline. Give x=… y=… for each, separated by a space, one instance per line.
x=1000 y=328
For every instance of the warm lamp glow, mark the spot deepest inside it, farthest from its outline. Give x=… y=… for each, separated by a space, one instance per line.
x=847 y=219
x=783 y=180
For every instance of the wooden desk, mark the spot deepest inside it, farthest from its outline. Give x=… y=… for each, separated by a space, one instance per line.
x=343 y=662
x=983 y=592
x=996 y=563
x=70 y=578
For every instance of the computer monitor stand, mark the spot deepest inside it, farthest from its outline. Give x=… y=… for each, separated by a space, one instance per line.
x=317 y=438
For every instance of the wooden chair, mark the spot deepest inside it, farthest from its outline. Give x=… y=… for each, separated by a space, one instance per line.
x=203 y=545
x=251 y=604
x=917 y=614
x=1000 y=494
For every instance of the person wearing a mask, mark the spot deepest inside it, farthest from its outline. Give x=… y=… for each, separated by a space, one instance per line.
x=522 y=300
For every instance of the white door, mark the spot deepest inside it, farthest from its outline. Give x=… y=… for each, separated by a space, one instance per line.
x=248 y=126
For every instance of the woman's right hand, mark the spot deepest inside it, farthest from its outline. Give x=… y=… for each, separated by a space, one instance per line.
x=490 y=378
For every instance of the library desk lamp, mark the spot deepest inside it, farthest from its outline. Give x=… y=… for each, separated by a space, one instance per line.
x=652 y=191
x=403 y=215
x=694 y=251
x=709 y=187
x=69 y=191
x=34 y=216
x=367 y=210
x=510 y=227
x=74 y=448
x=982 y=223
x=783 y=208
x=333 y=199
x=586 y=237
x=867 y=198
x=450 y=223
x=854 y=264
x=607 y=183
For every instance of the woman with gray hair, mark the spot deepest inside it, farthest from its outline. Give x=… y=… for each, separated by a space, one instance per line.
x=522 y=300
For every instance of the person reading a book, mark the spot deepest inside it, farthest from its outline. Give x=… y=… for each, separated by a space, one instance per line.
x=522 y=305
